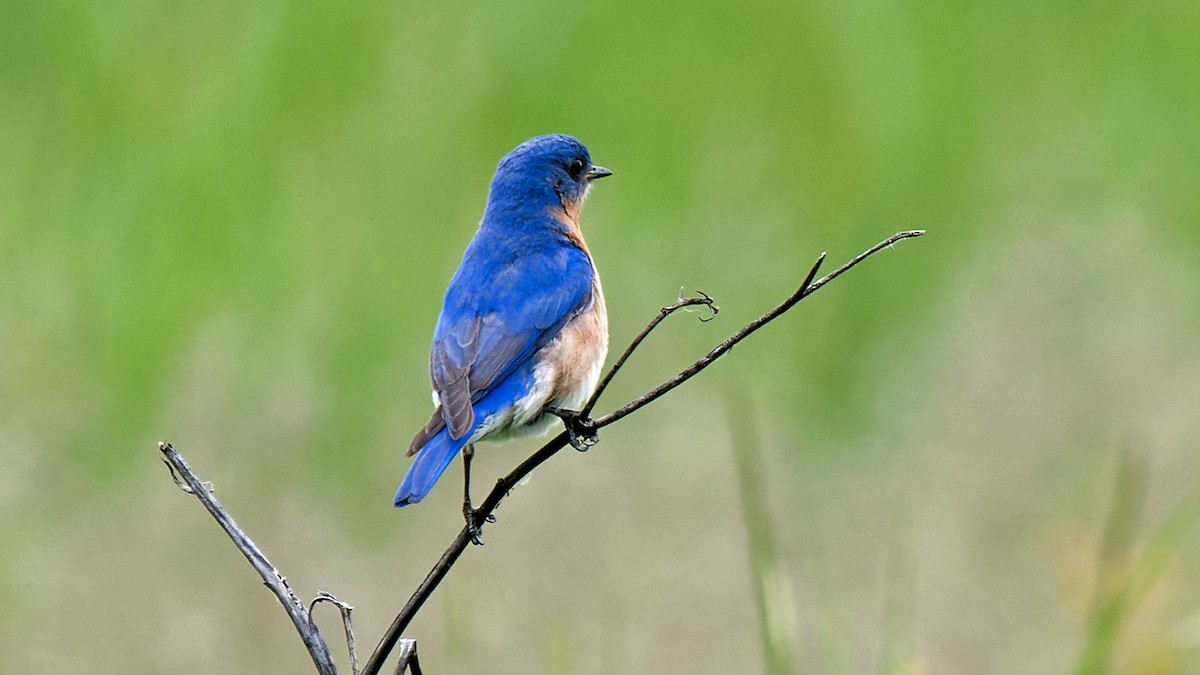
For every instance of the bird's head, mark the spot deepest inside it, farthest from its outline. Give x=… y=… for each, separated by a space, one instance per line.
x=545 y=171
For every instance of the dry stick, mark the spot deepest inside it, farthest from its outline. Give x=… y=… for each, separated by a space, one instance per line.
x=503 y=485
x=275 y=581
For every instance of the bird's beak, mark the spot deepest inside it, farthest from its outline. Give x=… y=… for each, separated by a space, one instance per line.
x=597 y=172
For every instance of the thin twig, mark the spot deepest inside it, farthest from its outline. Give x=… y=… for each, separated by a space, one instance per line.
x=503 y=485
x=275 y=581
x=663 y=313
x=806 y=289
x=345 y=608
x=435 y=576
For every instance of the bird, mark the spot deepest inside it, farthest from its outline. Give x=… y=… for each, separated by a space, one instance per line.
x=523 y=329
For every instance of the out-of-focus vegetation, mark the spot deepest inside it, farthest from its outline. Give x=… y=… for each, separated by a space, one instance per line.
x=229 y=225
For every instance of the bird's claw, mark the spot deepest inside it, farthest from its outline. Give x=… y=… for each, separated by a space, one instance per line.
x=473 y=525
x=582 y=433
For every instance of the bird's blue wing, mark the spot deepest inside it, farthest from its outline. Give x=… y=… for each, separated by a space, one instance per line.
x=497 y=312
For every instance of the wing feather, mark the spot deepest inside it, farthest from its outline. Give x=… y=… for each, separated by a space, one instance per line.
x=491 y=323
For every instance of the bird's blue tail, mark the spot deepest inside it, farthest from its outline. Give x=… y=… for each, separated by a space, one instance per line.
x=433 y=458
x=431 y=461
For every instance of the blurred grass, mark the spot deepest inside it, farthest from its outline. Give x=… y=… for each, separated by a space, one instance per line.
x=229 y=225
x=772 y=588
x=1125 y=576
x=1111 y=601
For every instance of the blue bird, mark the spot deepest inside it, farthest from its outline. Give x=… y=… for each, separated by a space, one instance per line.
x=523 y=329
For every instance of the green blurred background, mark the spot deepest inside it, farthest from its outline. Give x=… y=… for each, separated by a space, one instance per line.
x=229 y=225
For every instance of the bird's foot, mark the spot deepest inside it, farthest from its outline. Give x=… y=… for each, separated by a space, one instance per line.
x=471 y=515
x=581 y=431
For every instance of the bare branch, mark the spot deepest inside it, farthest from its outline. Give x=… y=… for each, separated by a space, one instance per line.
x=663 y=313
x=270 y=574
x=503 y=485
x=806 y=289
x=435 y=576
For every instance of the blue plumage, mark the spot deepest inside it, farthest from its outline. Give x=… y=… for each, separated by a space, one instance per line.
x=439 y=451
x=523 y=323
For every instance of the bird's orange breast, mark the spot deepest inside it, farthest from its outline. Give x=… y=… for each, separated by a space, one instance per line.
x=579 y=352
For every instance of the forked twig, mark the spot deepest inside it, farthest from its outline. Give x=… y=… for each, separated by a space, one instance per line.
x=663 y=313
x=275 y=581
x=388 y=642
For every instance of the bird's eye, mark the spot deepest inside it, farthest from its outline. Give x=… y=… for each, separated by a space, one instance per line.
x=575 y=168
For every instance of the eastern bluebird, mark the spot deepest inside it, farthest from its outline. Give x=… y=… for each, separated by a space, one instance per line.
x=523 y=330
